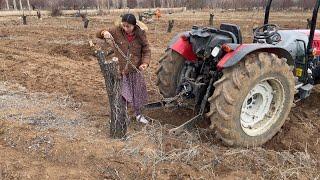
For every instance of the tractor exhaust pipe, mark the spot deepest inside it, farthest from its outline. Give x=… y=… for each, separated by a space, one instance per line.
x=313 y=28
x=267 y=11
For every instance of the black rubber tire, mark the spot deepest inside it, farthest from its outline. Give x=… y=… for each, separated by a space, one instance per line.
x=171 y=64
x=232 y=89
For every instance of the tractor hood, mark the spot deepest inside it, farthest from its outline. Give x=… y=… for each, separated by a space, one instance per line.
x=289 y=40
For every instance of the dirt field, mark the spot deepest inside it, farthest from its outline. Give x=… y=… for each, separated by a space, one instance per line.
x=54 y=112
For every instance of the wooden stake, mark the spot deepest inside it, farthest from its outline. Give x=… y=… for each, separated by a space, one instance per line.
x=170 y=26
x=24 y=19
x=38 y=14
x=211 y=19
x=308 y=23
x=140 y=17
x=85 y=20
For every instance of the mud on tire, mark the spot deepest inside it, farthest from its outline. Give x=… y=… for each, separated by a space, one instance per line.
x=230 y=103
x=171 y=64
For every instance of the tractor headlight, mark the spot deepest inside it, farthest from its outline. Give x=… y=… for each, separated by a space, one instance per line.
x=215 y=51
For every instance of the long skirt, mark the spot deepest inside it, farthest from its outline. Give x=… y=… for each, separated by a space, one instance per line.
x=134 y=90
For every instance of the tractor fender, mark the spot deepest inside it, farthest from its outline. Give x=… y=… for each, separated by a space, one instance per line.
x=180 y=43
x=241 y=50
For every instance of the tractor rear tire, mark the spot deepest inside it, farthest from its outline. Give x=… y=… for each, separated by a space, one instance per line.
x=252 y=100
x=171 y=65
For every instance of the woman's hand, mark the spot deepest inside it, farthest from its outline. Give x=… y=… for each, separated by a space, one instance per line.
x=106 y=35
x=143 y=66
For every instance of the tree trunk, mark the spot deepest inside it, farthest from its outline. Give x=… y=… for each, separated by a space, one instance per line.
x=7 y=2
x=124 y=4
x=308 y=23
x=39 y=14
x=170 y=26
x=119 y=118
x=103 y=4
x=14 y=5
x=116 y=4
x=85 y=21
x=98 y=4
x=21 y=8
x=24 y=19
x=29 y=7
x=211 y=19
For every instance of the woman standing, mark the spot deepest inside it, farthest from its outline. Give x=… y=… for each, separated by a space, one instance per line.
x=133 y=42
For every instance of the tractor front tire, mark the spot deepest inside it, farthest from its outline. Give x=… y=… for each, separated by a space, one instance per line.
x=168 y=74
x=252 y=100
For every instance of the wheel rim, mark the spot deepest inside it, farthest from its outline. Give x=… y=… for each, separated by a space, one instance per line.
x=262 y=107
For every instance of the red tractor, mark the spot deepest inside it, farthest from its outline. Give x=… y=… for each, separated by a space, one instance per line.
x=247 y=90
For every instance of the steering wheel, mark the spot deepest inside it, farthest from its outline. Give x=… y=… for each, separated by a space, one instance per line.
x=265 y=31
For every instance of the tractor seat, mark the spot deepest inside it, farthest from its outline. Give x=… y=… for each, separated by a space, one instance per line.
x=234 y=29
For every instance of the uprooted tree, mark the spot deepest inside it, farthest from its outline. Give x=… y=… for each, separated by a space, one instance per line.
x=118 y=113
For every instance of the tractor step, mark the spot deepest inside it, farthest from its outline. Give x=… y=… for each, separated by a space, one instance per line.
x=303 y=91
x=297 y=87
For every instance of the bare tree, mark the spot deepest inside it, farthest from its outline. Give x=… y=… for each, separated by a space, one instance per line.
x=116 y=3
x=21 y=8
x=14 y=5
x=7 y=2
x=139 y=3
x=124 y=3
x=29 y=7
x=162 y=3
x=98 y=4
x=131 y=3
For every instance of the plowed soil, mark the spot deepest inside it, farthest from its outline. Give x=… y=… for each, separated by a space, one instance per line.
x=54 y=111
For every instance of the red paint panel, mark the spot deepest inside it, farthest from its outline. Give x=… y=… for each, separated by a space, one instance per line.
x=316 y=46
x=316 y=40
x=227 y=56
x=185 y=49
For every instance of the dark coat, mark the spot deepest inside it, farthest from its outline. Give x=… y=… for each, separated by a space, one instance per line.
x=139 y=48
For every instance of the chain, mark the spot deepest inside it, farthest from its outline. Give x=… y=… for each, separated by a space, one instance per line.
x=127 y=58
